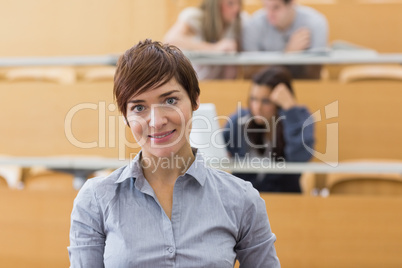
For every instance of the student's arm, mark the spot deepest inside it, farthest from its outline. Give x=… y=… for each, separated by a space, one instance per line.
x=297 y=136
x=87 y=238
x=312 y=37
x=299 y=40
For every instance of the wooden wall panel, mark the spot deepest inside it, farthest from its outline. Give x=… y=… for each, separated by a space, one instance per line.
x=49 y=28
x=368 y=112
x=74 y=27
x=43 y=119
x=34 y=125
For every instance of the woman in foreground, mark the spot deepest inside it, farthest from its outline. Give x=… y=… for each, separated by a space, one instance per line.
x=166 y=208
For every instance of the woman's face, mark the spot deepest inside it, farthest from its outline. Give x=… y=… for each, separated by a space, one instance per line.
x=261 y=106
x=160 y=120
x=230 y=9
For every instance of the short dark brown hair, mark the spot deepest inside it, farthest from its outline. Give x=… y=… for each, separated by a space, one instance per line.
x=148 y=65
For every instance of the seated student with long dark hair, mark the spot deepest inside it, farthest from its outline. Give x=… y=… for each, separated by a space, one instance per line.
x=271 y=128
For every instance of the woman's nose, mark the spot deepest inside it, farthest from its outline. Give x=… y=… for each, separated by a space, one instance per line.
x=157 y=117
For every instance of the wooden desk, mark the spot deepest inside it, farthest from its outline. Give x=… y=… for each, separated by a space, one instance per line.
x=342 y=231
x=34 y=228
x=242 y=58
x=276 y=58
x=59 y=60
x=229 y=164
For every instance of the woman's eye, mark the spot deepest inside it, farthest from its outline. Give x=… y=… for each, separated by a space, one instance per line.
x=171 y=101
x=138 y=108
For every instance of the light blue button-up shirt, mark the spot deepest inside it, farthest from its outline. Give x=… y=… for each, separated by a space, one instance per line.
x=117 y=221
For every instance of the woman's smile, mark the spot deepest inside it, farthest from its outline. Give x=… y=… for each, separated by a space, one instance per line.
x=161 y=137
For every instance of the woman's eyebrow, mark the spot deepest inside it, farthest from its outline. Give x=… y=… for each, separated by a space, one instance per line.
x=168 y=93
x=161 y=96
x=135 y=101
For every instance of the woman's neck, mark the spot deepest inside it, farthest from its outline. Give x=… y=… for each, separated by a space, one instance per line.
x=166 y=170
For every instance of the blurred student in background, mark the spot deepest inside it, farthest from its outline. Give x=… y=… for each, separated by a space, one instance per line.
x=271 y=128
x=282 y=25
x=215 y=26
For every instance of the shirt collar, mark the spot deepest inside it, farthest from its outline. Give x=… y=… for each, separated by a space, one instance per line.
x=197 y=169
x=132 y=170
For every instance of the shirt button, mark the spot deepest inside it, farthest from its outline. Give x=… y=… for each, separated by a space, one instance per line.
x=170 y=250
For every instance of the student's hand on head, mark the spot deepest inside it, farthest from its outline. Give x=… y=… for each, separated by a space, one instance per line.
x=282 y=97
x=227 y=45
x=300 y=40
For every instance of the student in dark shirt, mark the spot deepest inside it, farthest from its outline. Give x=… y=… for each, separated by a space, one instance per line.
x=271 y=128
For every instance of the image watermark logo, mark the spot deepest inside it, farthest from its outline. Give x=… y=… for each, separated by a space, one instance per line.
x=331 y=154
x=246 y=163
x=111 y=131
x=204 y=130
